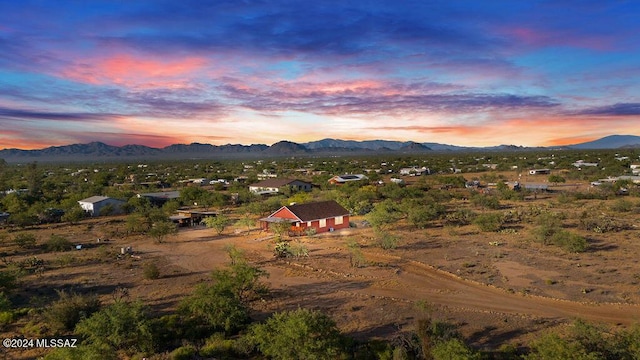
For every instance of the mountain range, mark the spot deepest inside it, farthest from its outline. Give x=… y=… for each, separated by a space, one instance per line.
x=97 y=151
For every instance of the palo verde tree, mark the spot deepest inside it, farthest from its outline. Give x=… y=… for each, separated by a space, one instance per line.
x=223 y=305
x=297 y=334
x=217 y=223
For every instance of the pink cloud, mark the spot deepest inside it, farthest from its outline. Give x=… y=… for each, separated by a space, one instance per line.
x=558 y=37
x=131 y=71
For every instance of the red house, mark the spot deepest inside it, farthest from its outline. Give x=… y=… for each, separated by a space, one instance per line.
x=323 y=216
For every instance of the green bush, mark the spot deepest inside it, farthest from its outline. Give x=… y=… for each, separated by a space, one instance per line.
x=622 y=205
x=219 y=348
x=600 y=224
x=298 y=334
x=486 y=201
x=453 y=349
x=187 y=352
x=460 y=217
x=121 y=326
x=58 y=243
x=70 y=308
x=387 y=240
x=150 y=271
x=489 y=222
x=570 y=241
x=25 y=241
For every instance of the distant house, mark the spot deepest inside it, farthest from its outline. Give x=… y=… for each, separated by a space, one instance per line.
x=322 y=216
x=414 y=171
x=635 y=169
x=3 y=217
x=274 y=186
x=94 y=205
x=582 y=163
x=341 y=179
x=159 y=198
x=539 y=172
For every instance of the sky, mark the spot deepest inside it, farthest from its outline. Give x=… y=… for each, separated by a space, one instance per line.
x=472 y=73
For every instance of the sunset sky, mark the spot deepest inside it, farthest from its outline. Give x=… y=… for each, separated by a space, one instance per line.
x=473 y=73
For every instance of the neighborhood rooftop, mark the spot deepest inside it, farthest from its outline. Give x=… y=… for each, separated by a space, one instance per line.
x=275 y=182
x=94 y=199
x=317 y=210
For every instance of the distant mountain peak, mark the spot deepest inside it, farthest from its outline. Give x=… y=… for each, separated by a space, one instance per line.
x=99 y=151
x=610 y=142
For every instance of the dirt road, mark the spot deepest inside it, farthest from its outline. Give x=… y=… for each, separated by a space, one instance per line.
x=326 y=274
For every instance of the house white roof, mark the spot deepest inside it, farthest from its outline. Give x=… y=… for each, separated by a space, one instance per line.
x=94 y=199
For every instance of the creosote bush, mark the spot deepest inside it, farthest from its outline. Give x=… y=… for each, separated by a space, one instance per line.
x=58 y=243
x=69 y=309
x=25 y=241
x=489 y=222
x=151 y=271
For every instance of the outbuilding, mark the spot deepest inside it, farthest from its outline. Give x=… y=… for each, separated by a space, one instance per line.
x=95 y=205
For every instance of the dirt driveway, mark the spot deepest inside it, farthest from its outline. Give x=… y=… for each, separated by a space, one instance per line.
x=380 y=299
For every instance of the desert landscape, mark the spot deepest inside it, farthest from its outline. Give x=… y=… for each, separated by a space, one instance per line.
x=503 y=287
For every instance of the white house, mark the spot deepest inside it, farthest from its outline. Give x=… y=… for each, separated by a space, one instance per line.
x=582 y=163
x=274 y=186
x=414 y=171
x=94 y=205
x=341 y=179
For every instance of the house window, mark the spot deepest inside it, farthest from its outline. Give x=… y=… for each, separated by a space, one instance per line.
x=339 y=220
x=297 y=224
x=323 y=223
x=308 y=223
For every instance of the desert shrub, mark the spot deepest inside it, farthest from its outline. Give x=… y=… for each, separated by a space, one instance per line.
x=385 y=214
x=356 y=258
x=486 y=201
x=489 y=222
x=121 y=326
x=310 y=231
x=150 y=271
x=224 y=304
x=386 y=240
x=82 y=352
x=282 y=250
x=7 y=314
x=569 y=241
x=453 y=349
x=58 y=243
x=8 y=280
x=25 y=241
x=545 y=232
x=599 y=224
x=622 y=205
x=299 y=250
x=161 y=229
x=297 y=334
x=187 y=352
x=587 y=341
x=217 y=223
x=460 y=217
x=591 y=195
x=428 y=333
x=553 y=347
x=217 y=346
x=69 y=309
x=421 y=215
